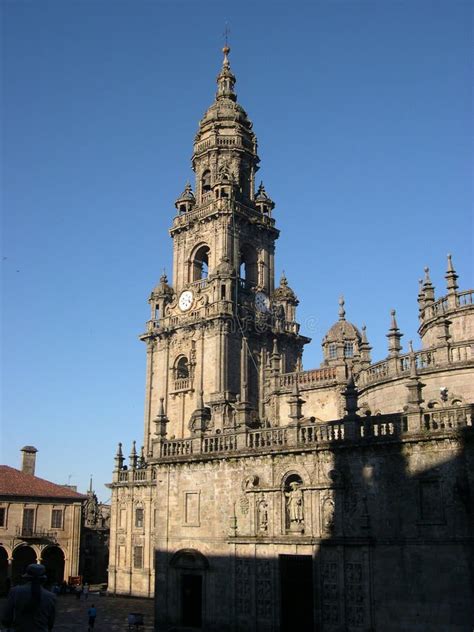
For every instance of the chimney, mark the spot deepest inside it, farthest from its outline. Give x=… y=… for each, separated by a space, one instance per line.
x=29 y=459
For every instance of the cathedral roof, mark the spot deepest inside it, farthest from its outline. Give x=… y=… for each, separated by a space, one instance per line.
x=343 y=329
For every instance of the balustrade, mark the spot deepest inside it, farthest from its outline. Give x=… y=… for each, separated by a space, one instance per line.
x=314 y=376
x=448 y=418
x=266 y=438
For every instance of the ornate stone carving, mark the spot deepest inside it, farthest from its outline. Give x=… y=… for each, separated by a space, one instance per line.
x=264 y=589
x=327 y=516
x=330 y=593
x=294 y=506
x=242 y=587
x=354 y=594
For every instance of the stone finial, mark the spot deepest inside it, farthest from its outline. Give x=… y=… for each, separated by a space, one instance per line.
x=342 y=311
x=364 y=346
x=225 y=79
x=428 y=288
x=394 y=335
x=296 y=403
x=351 y=395
x=161 y=419
x=451 y=277
x=119 y=458
x=413 y=367
x=133 y=456
x=275 y=358
x=421 y=295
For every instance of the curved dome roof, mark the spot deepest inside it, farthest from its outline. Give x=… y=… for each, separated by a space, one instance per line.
x=284 y=291
x=343 y=329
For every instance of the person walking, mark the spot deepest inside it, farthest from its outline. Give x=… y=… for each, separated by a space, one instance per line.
x=85 y=590
x=30 y=607
x=91 y=613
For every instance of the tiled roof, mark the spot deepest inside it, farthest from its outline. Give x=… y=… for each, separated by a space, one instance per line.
x=16 y=483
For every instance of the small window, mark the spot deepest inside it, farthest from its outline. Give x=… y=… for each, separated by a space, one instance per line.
x=332 y=351
x=348 y=350
x=137 y=557
x=139 y=517
x=57 y=519
x=3 y=517
x=222 y=291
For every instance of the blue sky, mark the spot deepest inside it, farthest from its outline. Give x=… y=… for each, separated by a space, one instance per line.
x=364 y=116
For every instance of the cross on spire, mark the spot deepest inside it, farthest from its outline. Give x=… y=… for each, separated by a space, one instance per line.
x=226 y=34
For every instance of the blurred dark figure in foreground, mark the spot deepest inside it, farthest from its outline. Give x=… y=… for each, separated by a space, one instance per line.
x=30 y=608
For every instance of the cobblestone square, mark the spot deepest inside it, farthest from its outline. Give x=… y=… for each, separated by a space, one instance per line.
x=112 y=613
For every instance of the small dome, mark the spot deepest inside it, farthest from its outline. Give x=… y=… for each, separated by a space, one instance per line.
x=284 y=292
x=342 y=330
x=163 y=289
x=186 y=196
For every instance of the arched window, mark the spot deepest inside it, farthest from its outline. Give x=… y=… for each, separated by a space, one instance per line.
x=200 y=265
x=182 y=368
x=248 y=265
x=206 y=182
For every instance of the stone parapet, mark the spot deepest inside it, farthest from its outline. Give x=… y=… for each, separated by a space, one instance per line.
x=304 y=436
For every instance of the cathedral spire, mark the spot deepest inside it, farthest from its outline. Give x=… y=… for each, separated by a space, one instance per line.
x=225 y=79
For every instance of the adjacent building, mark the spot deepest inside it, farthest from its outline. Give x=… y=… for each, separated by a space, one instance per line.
x=268 y=497
x=40 y=522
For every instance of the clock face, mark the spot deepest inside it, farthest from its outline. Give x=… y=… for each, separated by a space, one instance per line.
x=262 y=302
x=185 y=300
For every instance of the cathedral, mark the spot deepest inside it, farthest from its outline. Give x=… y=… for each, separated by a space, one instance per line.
x=267 y=497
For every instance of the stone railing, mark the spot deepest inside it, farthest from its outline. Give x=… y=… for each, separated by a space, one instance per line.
x=210 y=205
x=452 y=418
x=314 y=377
x=446 y=304
x=424 y=360
x=308 y=435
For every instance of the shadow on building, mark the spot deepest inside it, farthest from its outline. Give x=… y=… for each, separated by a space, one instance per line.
x=381 y=537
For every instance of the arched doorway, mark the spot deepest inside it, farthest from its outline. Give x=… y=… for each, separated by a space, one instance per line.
x=3 y=571
x=22 y=557
x=53 y=559
x=190 y=566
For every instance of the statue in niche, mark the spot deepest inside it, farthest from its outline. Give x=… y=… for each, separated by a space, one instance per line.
x=294 y=506
x=262 y=512
x=328 y=516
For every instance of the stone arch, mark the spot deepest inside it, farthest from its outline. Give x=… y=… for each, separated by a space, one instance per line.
x=248 y=269
x=22 y=556
x=189 y=568
x=4 y=579
x=181 y=367
x=199 y=262
x=53 y=559
x=189 y=559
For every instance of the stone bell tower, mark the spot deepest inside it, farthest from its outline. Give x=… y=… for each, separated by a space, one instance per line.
x=220 y=330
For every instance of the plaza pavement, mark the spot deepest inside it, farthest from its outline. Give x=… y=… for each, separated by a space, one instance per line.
x=112 y=613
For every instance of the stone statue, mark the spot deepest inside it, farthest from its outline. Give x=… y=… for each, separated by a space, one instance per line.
x=262 y=515
x=294 y=505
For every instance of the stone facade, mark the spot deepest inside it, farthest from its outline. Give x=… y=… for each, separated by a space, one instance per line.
x=339 y=497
